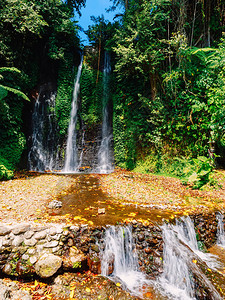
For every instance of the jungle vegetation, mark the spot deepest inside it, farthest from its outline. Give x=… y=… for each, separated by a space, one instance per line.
x=167 y=85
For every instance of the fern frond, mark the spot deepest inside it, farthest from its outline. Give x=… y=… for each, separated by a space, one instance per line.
x=15 y=91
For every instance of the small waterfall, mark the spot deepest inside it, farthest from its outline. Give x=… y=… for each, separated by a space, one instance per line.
x=105 y=157
x=71 y=161
x=220 y=230
x=176 y=279
x=42 y=155
x=180 y=249
x=119 y=259
x=186 y=233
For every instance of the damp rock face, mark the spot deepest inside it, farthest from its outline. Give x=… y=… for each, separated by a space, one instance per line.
x=48 y=265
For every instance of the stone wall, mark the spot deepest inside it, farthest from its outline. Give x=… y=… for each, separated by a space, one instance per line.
x=27 y=249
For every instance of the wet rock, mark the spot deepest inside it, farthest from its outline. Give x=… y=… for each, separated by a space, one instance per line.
x=94 y=264
x=74 y=228
x=28 y=234
x=33 y=260
x=95 y=248
x=7 y=269
x=70 y=242
x=55 y=204
x=6 y=242
x=73 y=259
x=48 y=265
x=25 y=256
x=141 y=237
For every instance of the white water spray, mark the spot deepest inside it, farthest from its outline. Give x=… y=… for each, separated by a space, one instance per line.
x=220 y=231
x=176 y=278
x=42 y=155
x=71 y=161
x=120 y=257
x=105 y=161
x=180 y=247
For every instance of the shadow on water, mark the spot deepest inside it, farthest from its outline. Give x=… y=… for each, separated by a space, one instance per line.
x=87 y=200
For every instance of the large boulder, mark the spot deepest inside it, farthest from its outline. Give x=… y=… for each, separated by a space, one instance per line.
x=48 y=265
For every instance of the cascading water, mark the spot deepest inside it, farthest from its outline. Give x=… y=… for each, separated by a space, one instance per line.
x=120 y=258
x=71 y=159
x=180 y=249
x=220 y=231
x=43 y=153
x=176 y=278
x=183 y=276
x=105 y=156
x=186 y=233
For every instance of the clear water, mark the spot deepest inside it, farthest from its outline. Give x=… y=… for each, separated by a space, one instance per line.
x=71 y=158
x=105 y=156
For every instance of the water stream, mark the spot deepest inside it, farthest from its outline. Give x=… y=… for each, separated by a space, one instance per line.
x=71 y=158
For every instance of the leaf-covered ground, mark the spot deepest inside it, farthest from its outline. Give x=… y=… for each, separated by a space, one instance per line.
x=164 y=192
x=24 y=198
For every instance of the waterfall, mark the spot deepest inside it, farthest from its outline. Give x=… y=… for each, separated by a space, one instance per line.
x=186 y=233
x=82 y=150
x=42 y=155
x=71 y=159
x=120 y=259
x=105 y=157
x=176 y=278
x=220 y=230
x=180 y=249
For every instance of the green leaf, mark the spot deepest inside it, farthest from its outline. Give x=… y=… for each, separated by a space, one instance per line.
x=15 y=91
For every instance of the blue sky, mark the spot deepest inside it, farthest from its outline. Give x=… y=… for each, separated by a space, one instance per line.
x=94 y=8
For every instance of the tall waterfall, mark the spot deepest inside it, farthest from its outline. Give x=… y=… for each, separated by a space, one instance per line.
x=42 y=155
x=119 y=255
x=220 y=231
x=105 y=156
x=71 y=159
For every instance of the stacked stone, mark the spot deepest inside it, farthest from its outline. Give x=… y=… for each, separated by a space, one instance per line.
x=30 y=248
x=26 y=249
